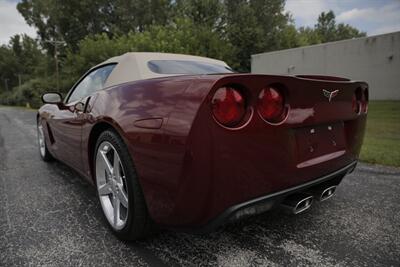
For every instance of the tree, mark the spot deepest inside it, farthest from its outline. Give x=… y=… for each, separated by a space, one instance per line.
x=138 y=15
x=182 y=37
x=19 y=60
x=308 y=36
x=254 y=26
x=326 y=30
x=69 y=21
x=345 y=31
x=326 y=27
x=95 y=30
x=207 y=13
x=73 y=20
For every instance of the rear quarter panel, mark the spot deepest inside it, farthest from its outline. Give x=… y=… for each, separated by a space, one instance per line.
x=157 y=154
x=222 y=167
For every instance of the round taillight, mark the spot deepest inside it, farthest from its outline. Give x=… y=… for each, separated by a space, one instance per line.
x=228 y=106
x=271 y=105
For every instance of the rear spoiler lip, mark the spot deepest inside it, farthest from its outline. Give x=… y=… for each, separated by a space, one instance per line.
x=316 y=78
x=323 y=77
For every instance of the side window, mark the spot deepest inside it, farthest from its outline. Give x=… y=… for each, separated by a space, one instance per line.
x=92 y=82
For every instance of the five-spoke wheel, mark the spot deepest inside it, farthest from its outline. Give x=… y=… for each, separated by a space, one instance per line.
x=118 y=188
x=112 y=185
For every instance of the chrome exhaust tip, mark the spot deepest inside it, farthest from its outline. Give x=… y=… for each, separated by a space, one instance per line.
x=327 y=193
x=297 y=203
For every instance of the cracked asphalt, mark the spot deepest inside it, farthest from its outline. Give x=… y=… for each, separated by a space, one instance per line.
x=50 y=216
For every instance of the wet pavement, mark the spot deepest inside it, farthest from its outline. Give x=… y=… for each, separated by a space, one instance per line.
x=51 y=216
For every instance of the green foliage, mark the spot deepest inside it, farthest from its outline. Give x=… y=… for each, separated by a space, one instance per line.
x=181 y=37
x=29 y=93
x=254 y=27
x=326 y=30
x=73 y=20
x=21 y=59
x=91 y=31
x=202 y=12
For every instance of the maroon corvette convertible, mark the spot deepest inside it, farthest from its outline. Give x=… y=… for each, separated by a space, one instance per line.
x=184 y=142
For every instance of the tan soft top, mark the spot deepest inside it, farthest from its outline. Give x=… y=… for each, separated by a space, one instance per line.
x=133 y=66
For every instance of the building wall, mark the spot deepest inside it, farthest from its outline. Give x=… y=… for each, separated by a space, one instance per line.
x=374 y=59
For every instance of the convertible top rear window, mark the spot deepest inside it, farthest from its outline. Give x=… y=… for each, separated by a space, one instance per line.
x=186 y=67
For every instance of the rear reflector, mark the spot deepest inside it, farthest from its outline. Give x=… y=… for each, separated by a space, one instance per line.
x=271 y=105
x=355 y=104
x=364 y=101
x=228 y=106
x=356 y=101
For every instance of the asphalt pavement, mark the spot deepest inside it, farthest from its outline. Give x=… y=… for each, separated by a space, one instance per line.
x=50 y=216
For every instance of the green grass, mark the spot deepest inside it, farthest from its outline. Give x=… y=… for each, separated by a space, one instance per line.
x=382 y=138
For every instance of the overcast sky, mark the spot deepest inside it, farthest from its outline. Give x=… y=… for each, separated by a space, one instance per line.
x=371 y=16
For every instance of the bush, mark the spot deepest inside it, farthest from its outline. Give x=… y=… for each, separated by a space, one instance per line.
x=29 y=93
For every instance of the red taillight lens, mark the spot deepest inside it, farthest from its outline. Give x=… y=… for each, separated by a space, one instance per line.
x=228 y=106
x=271 y=105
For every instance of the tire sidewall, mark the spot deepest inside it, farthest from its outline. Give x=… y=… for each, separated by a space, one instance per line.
x=47 y=156
x=130 y=174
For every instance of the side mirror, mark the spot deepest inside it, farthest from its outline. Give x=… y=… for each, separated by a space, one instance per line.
x=52 y=98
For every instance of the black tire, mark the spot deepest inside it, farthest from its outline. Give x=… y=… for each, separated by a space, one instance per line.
x=139 y=224
x=45 y=155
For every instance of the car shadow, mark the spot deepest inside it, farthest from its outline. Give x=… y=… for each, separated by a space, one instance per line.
x=261 y=239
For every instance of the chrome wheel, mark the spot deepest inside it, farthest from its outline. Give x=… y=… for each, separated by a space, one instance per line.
x=111 y=185
x=42 y=144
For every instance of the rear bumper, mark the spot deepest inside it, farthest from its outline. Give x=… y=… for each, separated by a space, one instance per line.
x=264 y=203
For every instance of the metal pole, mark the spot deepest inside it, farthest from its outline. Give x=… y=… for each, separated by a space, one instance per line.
x=55 y=43
x=56 y=59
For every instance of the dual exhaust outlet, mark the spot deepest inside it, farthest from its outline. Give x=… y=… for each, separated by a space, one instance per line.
x=300 y=202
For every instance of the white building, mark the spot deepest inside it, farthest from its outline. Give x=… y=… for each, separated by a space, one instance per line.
x=374 y=59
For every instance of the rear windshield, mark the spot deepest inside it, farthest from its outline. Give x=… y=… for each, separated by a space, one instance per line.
x=186 y=67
